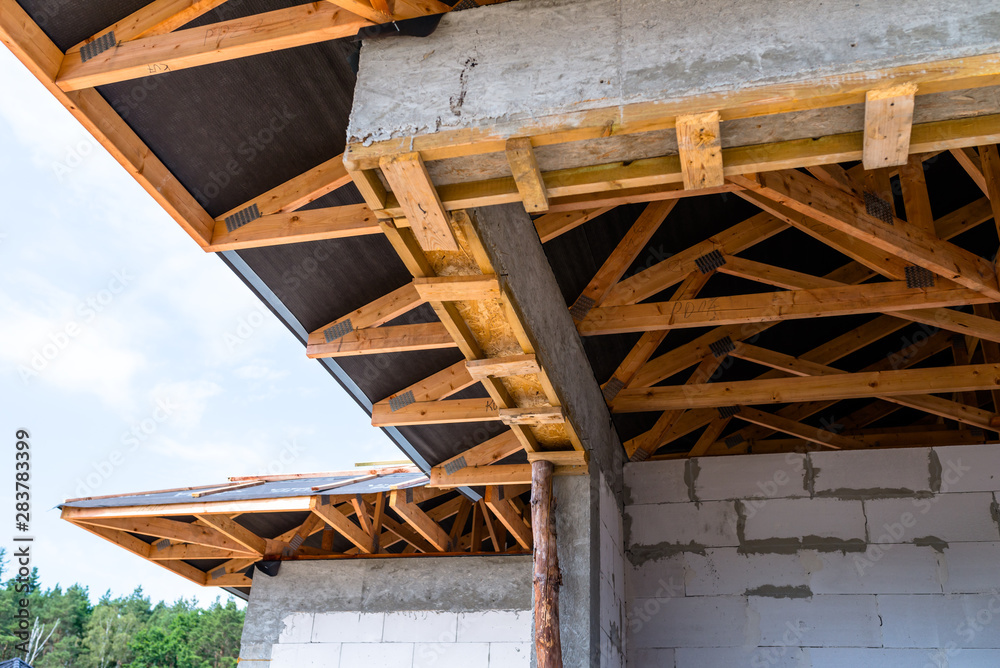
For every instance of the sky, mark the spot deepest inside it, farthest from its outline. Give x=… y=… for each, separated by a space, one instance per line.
x=135 y=360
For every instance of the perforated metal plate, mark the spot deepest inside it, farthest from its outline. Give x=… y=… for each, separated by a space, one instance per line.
x=242 y=217
x=918 y=277
x=612 y=388
x=98 y=46
x=401 y=401
x=338 y=331
x=728 y=411
x=722 y=347
x=710 y=262
x=455 y=465
x=878 y=207
x=581 y=307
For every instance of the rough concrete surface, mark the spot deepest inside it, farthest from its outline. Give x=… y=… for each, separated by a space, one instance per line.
x=497 y=63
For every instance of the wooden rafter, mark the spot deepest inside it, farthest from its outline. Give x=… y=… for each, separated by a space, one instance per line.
x=157 y=18
x=213 y=43
x=811 y=388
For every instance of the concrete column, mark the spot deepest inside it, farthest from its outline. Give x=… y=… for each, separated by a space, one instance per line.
x=589 y=508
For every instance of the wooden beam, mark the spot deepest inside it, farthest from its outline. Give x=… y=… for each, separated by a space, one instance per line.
x=991 y=175
x=546 y=577
x=534 y=415
x=463 y=410
x=342 y=525
x=497 y=474
x=527 y=175
x=339 y=222
x=410 y=182
x=158 y=527
x=642 y=446
x=552 y=225
x=382 y=310
x=812 y=388
x=679 y=266
x=622 y=256
x=237 y=532
x=378 y=520
x=973 y=166
x=842 y=212
x=136 y=546
x=508 y=515
x=888 y=124
x=451 y=411
x=647 y=344
x=418 y=519
x=42 y=58
x=708 y=437
x=295 y=193
x=822 y=437
x=156 y=18
x=773 y=306
x=502 y=367
x=457 y=288
x=875 y=259
x=916 y=201
x=217 y=42
x=699 y=143
x=390 y=339
x=164 y=550
x=440 y=385
x=486 y=453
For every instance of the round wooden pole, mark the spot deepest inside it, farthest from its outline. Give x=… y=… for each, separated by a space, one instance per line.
x=547 y=579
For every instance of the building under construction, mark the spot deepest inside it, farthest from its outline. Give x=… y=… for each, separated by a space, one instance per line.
x=686 y=314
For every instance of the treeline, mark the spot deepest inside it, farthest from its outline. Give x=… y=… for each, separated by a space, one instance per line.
x=124 y=632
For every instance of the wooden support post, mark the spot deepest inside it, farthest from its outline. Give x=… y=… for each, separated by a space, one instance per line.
x=700 y=146
x=888 y=121
x=546 y=579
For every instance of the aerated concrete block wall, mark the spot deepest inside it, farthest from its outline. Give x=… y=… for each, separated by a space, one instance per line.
x=885 y=558
x=433 y=612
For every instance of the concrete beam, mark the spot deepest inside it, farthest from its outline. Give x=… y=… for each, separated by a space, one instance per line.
x=547 y=58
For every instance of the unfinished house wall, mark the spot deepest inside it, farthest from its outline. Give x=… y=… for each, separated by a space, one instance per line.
x=407 y=613
x=827 y=559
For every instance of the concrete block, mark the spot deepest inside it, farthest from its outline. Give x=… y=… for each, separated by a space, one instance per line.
x=296 y=628
x=875 y=472
x=709 y=621
x=971 y=568
x=655 y=578
x=817 y=621
x=904 y=658
x=650 y=658
x=611 y=656
x=889 y=569
x=348 y=627
x=451 y=655
x=310 y=655
x=398 y=655
x=969 y=468
x=750 y=477
x=655 y=482
x=796 y=518
x=933 y=621
x=724 y=571
x=711 y=524
x=945 y=517
x=510 y=655
x=420 y=626
x=495 y=626
x=743 y=657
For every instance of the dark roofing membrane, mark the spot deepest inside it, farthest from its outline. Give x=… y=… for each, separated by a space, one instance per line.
x=233 y=130
x=278 y=489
